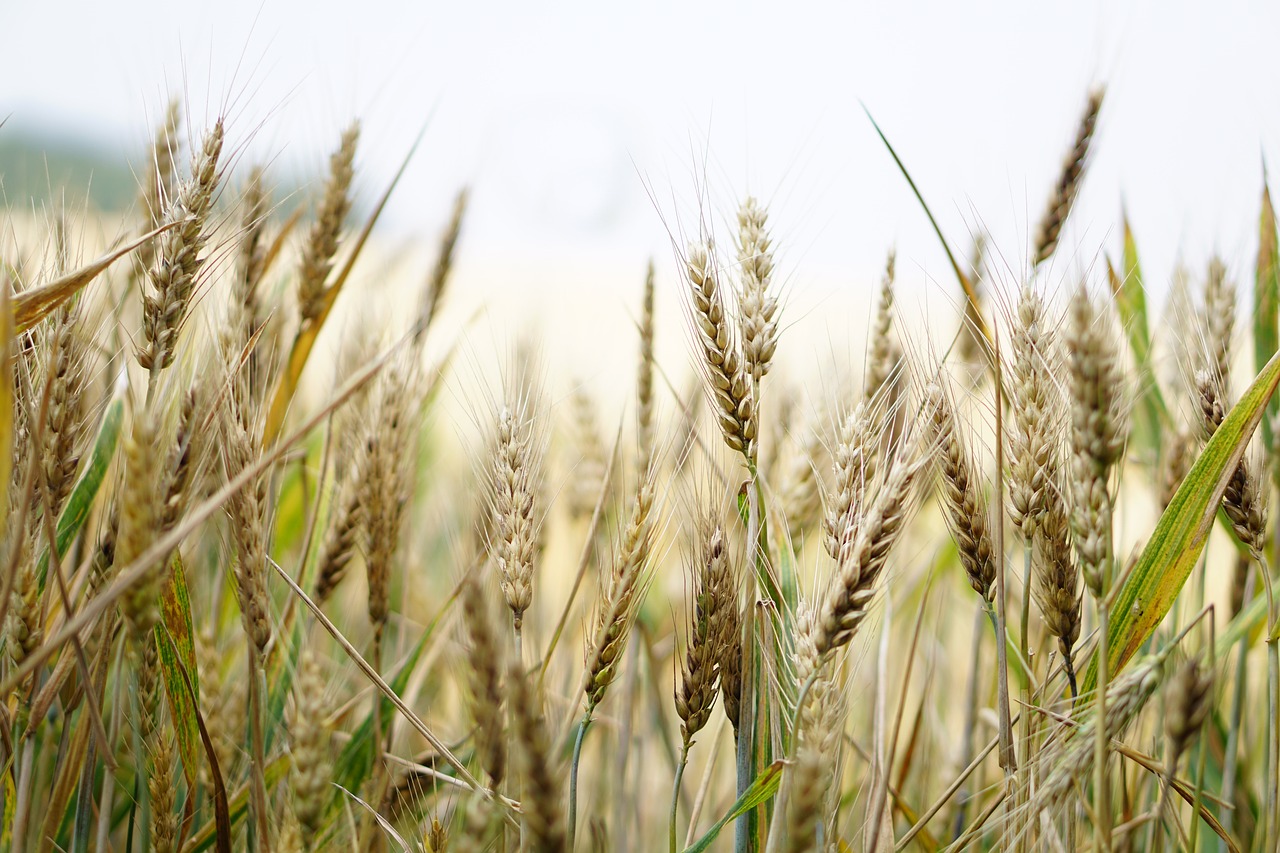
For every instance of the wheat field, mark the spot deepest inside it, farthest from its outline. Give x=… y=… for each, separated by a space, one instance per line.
x=282 y=573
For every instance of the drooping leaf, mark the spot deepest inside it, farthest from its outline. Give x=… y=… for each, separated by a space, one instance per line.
x=759 y=792
x=33 y=305
x=175 y=644
x=1180 y=534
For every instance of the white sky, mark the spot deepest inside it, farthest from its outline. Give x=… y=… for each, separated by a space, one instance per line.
x=564 y=120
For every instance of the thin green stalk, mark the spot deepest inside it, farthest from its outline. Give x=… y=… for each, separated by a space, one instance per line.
x=675 y=797
x=1101 y=791
x=1229 y=769
x=258 y=786
x=1273 y=745
x=743 y=829
x=109 y=781
x=573 y=776
x=970 y=722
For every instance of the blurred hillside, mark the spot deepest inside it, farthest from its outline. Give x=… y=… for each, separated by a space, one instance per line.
x=36 y=163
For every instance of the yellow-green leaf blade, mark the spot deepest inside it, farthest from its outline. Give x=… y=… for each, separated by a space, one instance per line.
x=761 y=790
x=175 y=642
x=1180 y=534
x=86 y=489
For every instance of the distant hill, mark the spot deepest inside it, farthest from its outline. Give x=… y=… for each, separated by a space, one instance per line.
x=32 y=162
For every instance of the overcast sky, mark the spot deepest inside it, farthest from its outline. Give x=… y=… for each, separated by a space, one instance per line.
x=587 y=130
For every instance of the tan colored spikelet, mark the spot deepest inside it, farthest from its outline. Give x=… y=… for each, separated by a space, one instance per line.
x=1070 y=758
x=1175 y=462
x=970 y=347
x=1069 y=181
x=645 y=444
x=178 y=258
x=1245 y=500
x=184 y=459
x=719 y=353
x=513 y=485
x=341 y=537
x=157 y=188
x=623 y=591
x=485 y=657
x=161 y=788
x=140 y=515
x=322 y=243
x=247 y=509
x=584 y=485
x=699 y=669
x=817 y=738
x=1098 y=432
x=800 y=491
x=1219 y=320
x=758 y=308
x=854 y=464
x=962 y=500
x=433 y=294
x=864 y=556
x=68 y=372
x=24 y=622
x=1055 y=580
x=245 y=312
x=387 y=484
x=309 y=743
x=543 y=815
x=219 y=707
x=884 y=362
x=289 y=840
x=1189 y=697
x=1035 y=405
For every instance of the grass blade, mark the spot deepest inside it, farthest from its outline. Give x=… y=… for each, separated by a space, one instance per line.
x=1180 y=534
x=759 y=792
x=176 y=649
